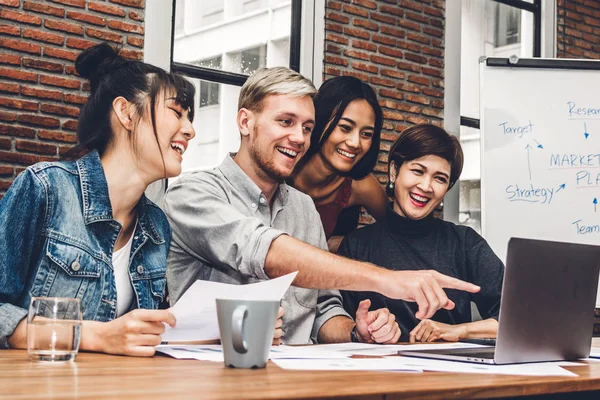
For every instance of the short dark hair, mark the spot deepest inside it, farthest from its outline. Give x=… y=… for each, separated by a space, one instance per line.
x=110 y=76
x=331 y=101
x=423 y=140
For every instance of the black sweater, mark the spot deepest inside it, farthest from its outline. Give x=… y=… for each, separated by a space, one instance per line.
x=403 y=244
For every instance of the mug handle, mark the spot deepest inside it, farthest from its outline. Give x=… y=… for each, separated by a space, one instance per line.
x=237 y=329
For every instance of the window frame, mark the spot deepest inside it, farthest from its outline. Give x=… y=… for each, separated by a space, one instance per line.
x=232 y=78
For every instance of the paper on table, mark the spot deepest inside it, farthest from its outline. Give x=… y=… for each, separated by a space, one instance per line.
x=533 y=369
x=196 y=310
x=215 y=352
x=365 y=349
x=348 y=364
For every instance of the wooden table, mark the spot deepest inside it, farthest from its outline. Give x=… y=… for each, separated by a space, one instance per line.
x=103 y=376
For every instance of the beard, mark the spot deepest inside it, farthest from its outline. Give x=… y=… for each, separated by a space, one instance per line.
x=265 y=162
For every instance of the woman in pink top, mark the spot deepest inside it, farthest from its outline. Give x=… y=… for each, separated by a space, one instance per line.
x=344 y=146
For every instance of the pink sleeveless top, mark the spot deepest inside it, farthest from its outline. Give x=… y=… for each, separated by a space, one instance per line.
x=330 y=212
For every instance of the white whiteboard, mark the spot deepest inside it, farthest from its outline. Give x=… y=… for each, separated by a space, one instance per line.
x=540 y=158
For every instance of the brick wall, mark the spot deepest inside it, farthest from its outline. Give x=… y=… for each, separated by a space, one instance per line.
x=578 y=29
x=40 y=92
x=398 y=47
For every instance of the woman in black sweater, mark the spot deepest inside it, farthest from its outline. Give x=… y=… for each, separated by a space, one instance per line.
x=424 y=163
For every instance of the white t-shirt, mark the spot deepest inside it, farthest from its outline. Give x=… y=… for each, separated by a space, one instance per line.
x=120 y=261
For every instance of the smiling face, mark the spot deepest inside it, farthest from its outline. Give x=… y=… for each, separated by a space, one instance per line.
x=420 y=185
x=351 y=138
x=279 y=134
x=174 y=130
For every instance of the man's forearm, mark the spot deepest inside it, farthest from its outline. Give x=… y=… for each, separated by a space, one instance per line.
x=336 y=330
x=487 y=328
x=318 y=269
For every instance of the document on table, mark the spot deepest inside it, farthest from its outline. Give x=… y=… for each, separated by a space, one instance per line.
x=196 y=310
x=366 y=349
x=347 y=364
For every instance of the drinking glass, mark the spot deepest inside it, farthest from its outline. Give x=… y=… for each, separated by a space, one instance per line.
x=53 y=328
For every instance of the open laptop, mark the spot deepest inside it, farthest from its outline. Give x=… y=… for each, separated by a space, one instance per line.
x=546 y=308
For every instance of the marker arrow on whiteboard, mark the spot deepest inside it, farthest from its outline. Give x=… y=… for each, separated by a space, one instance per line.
x=538 y=144
x=585 y=133
x=595 y=203
x=528 y=148
x=560 y=187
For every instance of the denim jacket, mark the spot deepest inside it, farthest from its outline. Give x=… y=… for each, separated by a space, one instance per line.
x=57 y=236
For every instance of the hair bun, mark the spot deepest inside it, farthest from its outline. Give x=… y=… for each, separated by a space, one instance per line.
x=93 y=62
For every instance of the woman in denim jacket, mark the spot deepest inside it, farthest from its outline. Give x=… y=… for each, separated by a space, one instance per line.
x=84 y=229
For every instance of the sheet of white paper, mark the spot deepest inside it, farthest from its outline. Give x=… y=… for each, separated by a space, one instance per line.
x=365 y=349
x=196 y=310
x=595 y=353
x=533 y=369
x=215 y=352
x=348 y=364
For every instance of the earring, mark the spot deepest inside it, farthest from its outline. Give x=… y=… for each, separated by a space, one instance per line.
x=389 y=188
x=440 y=207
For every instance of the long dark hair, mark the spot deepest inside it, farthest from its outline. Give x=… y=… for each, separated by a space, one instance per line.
x=331 y=101
x=423 y=140
x=110 y=76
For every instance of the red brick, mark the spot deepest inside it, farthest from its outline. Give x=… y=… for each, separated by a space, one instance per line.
x=359 y=75
x=383 y=60
x=433 y=32
x=417 y=17
x=394 y=94
x=6 y=170
x=132 y=54
x=64 y=26
x=43 y=8
x=43 y=36
x=336 y=38
x=43 y=65
x=130 y=3
x=436 y=63
x=434 y=93
x=394 y=116
x=393 y=32
x=365 y=67
x=433 y=52
x=332 y=48
x=10 y=30
x=38 y=120
x=409 y=25
x=418 y=38
x=391 y=104
x=8 y=116
x=60 y=53
x=408 y=87
x=75 y=98
x=57 y=136
x=332 y=71
x=20 y=17
x=388 y=51
x=74 y=3
x=334 y=28
x=417 y=120
x=409 y=108
x=62 y=82
x=433 y=11
x=63 y=150
x=392 y=10
x=375 y=80
x=383 y=18
x=421 y=80
x=104 y=35
x=70 y=125
x=359 y=44
x=89 y=18
x=11 y=3
x=135 y=41
x=393 y=73
x=334 y=5
x=366 y=3
x=18 y=104
x=5 y=144
x=357 y=54
x=81 y=44
x=9 y=87
x=126 y=27
x=384 y=39
x=337 y=17
x=416 y=58
x=35 y=147
x=433 y=72
x=60 y=110
x=362 y=23
x=106 y=8
x=70 y=70
x=18 y=75
x=436 y=22
x=12 y=59
x=19 y=158
x=20 y=45
x=356 y=11
x=433 y=113
x=417 y=99
x=41 y=93
x=357 y=33
x=413 y=5
x=336 y=60
x=437 y=43
x=136 y=16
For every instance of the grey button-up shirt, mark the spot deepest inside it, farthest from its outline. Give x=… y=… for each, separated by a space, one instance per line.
x=222 y=230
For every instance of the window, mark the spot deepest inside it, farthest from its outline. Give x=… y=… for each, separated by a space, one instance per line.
x=223 y=43
x=495 y=29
